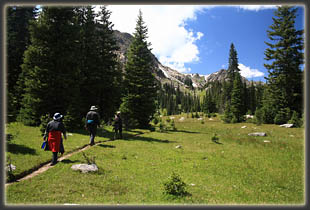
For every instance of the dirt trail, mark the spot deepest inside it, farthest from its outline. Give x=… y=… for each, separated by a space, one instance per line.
x=45 y=167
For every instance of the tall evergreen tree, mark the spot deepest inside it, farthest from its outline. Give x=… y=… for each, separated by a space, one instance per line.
x=232 y=69
x=49 y=70
x=237 y=107
x=139 y=99
x=284 y=82
x=111 y=73
x=18 y=38
x=100 y=72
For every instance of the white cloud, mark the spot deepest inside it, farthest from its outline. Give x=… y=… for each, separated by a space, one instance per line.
x=257 y=7
x=172 y=43
x=247 y=72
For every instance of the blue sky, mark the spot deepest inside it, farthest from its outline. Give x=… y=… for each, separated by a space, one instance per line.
x=246 y=29
x=197 y=38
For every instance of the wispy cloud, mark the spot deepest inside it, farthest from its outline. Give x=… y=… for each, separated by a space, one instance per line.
x=174 y=44
x=257 y=7
x=247 y=72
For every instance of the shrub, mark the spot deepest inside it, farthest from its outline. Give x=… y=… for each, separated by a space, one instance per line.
x=164 y=112
x=175 y=186
x=234 y=119
x=215 y=138
x=89 y=160
x=295 y=120
x=162 y=127
x=258 y=117
x=227 y=117
x=282 y=116
x=155 y=120
x=172 y=125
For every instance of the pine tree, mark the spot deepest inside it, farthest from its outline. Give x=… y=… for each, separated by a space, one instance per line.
x=88 y=58
x=236 y=98
x=18 y=38
x=138 y=102
x=284 y=82
x=232 y=69
x=233 y=89
x=252 y=98
x=49 y=70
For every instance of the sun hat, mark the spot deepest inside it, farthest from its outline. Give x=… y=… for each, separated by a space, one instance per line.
x=57 y=116
x=93 y=108
x=118 y=112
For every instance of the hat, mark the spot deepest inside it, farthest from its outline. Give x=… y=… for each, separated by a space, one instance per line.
x=118 y=112
x=57 y=116
x=92 y=108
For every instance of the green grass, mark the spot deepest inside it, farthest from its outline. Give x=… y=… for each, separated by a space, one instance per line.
x=237 y=169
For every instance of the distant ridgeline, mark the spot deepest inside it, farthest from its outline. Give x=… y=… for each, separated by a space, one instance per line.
x=188 y=92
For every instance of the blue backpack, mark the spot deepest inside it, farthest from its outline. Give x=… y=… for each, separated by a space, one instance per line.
x=90 y=121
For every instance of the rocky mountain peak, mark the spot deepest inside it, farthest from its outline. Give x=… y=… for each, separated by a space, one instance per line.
x=166 y=74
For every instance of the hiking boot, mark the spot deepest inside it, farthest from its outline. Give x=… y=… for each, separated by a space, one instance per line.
x=53 y=163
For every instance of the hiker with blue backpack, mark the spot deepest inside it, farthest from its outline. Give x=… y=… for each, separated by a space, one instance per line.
x=92 y=121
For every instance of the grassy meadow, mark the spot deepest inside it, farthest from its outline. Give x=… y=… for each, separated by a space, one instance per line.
x=237 y=169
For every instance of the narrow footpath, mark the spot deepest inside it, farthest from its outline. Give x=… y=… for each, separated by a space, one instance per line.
x=47 y=166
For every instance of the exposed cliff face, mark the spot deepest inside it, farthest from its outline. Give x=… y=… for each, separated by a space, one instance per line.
x=167 y=75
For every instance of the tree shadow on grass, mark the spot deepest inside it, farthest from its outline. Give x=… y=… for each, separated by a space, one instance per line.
x=106 y=146
x=126 y=136
x=20 y=149
x=216 y=142
x=147 y=139
x=184 y=131
x=67 y=161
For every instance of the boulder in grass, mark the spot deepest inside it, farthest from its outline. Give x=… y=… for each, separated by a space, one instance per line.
x=257 y=134
x=178 y=147
x=243 y=126
x=85 y=168
x=248 y=116
x=287 y=125
x=10 y=167
x=181 y=119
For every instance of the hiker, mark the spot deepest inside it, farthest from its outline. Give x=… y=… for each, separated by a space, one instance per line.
x=118 y=125
x=53 y=135
x=92 y=121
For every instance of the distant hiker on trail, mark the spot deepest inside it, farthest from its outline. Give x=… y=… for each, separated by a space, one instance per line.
x=92 y=121
x=118 y=125
x=53 y=133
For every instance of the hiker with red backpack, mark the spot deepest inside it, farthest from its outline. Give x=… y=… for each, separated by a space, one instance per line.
x=53 y=132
